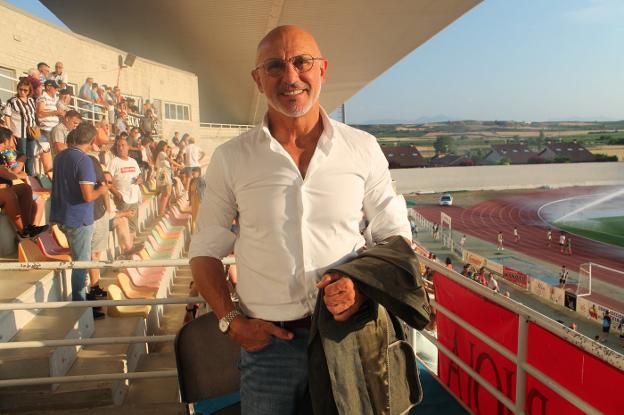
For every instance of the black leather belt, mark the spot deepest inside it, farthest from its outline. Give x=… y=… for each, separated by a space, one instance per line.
x=302 y=323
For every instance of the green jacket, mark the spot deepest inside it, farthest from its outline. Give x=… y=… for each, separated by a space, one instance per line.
x=364 y=365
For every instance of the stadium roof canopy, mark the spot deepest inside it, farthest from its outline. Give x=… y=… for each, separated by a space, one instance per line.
x=216 y=39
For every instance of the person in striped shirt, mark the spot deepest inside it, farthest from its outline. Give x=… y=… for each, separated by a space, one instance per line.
x=19 y=114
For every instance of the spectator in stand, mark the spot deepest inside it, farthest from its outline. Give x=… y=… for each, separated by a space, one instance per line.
x=449 y=263
x=119 y=99
x=88 y=96
x=103 y=132
x=480 y=277
x=192 y=158
x=58 y=135
x=35 y=81
x=59 y=76
x=99 y=239
x=134 y=143
x=73 y=194
x=44 y=71
x=48 y=115
x=147 y=123
x=493 y=284
x=109 y=102
x=176 y=138
x=16 y=199
x=21 y=114
x=197 y=188
x=98 y=94
x=126 y=180
x=182 y=148
x=121 y=125
x=164 y=176
x=64 y=101
x=120 y=222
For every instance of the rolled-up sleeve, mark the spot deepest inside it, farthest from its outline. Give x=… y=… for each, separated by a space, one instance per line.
x=383 y=208
x=216 y=212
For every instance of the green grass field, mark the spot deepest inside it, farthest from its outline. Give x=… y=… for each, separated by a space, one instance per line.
x=609 y=230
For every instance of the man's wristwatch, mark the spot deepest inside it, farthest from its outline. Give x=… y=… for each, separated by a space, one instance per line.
x=224 y=323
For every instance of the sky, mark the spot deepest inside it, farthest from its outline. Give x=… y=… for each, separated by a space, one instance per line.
x=523 y=60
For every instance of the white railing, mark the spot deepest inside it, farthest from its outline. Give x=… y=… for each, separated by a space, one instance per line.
x=245 y=127
x=525 y=315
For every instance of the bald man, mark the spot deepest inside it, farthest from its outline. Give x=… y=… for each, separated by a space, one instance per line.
x=300 y=185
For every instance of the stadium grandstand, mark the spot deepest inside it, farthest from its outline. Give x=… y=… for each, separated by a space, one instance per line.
x=147 y=104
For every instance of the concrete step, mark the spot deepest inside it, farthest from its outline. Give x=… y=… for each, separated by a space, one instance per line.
x=158 y=390
x=171 y=408
x=104 y=359
x=26 y=287
x=49 y=324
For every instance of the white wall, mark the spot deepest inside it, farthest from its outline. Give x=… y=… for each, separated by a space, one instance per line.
x=27 y=40
x=507 y=177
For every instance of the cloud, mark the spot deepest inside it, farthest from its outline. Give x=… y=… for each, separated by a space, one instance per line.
x=597 y=11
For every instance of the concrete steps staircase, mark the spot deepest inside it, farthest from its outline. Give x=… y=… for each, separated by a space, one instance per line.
x=138 y=396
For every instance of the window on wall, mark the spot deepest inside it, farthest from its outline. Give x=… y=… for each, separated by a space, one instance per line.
x=7 y=86
x=179 y=112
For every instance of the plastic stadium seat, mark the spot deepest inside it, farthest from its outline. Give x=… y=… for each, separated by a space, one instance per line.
x=59 y=236
x=151 y=281
x=132 y=291
x=115 y=293
x=28 y=251
x=50 y=247
x=201 y=352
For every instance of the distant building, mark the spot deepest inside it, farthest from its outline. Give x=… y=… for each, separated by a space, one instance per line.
x=512 y=153
x=573 y=151
x=449 y=160
x=403 y=157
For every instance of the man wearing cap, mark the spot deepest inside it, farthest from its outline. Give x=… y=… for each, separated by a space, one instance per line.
x=300 y=185
x=48 y=115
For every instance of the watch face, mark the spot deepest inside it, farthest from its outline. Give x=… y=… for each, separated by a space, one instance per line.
x=223 y=325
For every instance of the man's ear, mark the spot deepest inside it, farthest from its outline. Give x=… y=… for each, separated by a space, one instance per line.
x=256 y=78
x=324 y=63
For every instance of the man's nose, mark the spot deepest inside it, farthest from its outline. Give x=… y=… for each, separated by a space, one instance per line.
x=290 y=74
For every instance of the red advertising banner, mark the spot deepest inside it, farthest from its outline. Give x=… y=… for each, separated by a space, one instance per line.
x=593 y=380
x=516 y=277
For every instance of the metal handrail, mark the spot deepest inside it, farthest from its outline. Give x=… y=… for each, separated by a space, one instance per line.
x=525 y=315
x=130 y=263
x=88 y=378
x=99 y=341
x=217 y=125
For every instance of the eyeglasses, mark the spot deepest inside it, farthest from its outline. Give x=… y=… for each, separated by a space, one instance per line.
x=277 y=67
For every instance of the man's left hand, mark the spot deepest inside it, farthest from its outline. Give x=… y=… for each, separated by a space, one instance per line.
x=341 y=296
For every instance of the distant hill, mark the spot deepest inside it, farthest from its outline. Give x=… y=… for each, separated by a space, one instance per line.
x=421 y=120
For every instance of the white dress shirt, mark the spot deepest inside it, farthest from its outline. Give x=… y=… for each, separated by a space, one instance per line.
x=293 y=228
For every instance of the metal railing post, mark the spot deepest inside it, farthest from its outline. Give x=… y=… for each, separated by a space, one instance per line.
x=523 y=330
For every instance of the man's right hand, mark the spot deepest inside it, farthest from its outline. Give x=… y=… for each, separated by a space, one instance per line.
x=254 y=334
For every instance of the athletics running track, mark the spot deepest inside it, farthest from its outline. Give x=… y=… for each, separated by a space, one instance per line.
x=485 y=219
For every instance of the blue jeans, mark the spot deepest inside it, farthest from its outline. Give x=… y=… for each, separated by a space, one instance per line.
x=274 y=380
x=80 y=246
x=27 y=147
